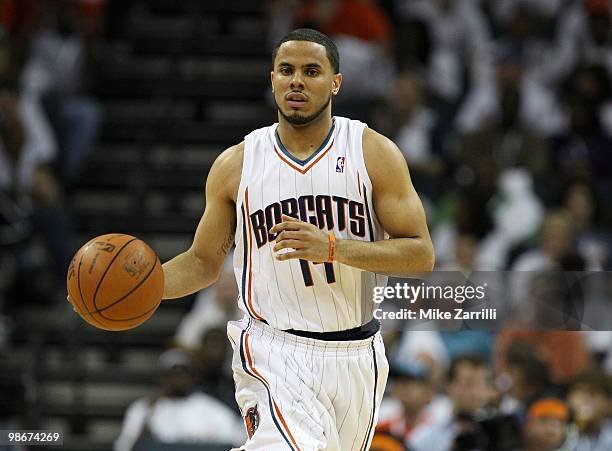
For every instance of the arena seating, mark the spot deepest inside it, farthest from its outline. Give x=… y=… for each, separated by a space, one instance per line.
x=184 y=81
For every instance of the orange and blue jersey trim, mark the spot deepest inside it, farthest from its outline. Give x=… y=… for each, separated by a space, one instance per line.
x=277 y=416
x=307 y=168
x=303 y=166
x=247 y=263
x=370 y=430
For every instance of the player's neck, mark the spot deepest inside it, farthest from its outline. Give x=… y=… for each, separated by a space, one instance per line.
x=302 y=141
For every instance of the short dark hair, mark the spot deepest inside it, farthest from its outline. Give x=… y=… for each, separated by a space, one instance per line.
x=473 y=360
x=594 y=379
x=310 y=35
x=522 y=356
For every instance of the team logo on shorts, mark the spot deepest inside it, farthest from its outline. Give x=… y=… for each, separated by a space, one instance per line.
x=252 y=421
x=340 y=164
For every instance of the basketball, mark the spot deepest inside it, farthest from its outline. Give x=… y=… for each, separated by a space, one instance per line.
x=115 y=282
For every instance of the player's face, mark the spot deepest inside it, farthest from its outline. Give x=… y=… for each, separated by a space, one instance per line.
x=303 y=81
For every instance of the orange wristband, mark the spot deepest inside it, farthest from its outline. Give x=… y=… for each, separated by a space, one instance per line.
x=332 y=247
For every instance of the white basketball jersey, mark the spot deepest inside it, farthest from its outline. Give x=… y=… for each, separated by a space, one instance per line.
x=330 y=189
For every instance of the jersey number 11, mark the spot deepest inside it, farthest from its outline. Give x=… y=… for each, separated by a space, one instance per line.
x=329 y=272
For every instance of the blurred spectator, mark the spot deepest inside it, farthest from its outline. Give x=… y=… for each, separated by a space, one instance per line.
x=362 y=33
x=488 y=221
x=556 y=300
x=551 y=347
x=465 y=214
x=405 y=117
x=583 y=151
x=517 y=216
x=213 y=308
x=386 y=442
x=413 y=47
x=281 y=16
x=556 y=240
x=27 y=154
x=472 y=342
x=505 y=10
x=177 y=412
x=512 y=122
x=55 y=75
x=583 y=37
x=525 y=20
x=528 y=378
x=15 y=233
x=593 y=242
x=17 y=16
x=423 y=348
x=412 y=389
x=525 y=42
x=469 y=391
x=213 y=359
x=202 y=331
x=460 y=61
x=545 y=427
x=589 y=397
x=465 y=255
x=362 y=19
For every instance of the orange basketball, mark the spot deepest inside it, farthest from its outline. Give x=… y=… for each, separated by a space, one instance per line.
x=115 y=282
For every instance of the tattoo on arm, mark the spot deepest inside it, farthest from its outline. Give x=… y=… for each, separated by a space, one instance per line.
x=227 y=243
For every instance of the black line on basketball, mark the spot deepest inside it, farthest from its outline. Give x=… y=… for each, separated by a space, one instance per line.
x=107 y=268
x=99 y=311
x=132 y=318
x=86 y=310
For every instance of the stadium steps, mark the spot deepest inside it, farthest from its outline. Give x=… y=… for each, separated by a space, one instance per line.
x=54 y=322
x=77 y=374
x=129 y=66
x=187 y=80
x=219 y=132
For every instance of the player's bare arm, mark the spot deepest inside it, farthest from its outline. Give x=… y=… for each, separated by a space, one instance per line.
x=398 y=208
x=200 y=265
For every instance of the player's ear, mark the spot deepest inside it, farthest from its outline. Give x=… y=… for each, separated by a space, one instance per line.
x=272 y=79
x=336 y=82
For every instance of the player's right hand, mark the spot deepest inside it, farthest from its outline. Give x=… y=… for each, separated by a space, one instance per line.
x=308 y=241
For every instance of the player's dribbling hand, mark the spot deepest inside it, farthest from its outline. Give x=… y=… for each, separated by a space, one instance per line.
x=71 y=303
x=307 y=241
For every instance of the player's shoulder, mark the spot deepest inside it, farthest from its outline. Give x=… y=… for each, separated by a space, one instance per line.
x=374 y=142
x=231 y=158
x=379 y=152
x=225 y=173
x=259 y=136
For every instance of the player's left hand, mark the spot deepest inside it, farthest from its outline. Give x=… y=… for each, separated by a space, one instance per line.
x=308 y=241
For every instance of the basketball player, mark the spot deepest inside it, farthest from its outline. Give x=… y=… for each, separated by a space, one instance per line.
x=316 y=205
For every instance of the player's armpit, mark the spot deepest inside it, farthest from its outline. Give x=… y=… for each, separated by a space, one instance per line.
x=200 y=265
x=395 y=200
x=399 y=211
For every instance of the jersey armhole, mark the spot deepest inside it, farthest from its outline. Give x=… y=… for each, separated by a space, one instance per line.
x=246 y=168
x=363 y=169
x=366 y=182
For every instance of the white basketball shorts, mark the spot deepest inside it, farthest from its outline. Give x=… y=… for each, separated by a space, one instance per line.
x=304 y=394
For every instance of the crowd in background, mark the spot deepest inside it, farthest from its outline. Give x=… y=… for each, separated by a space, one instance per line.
x=48 y=125
x=503 y=111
